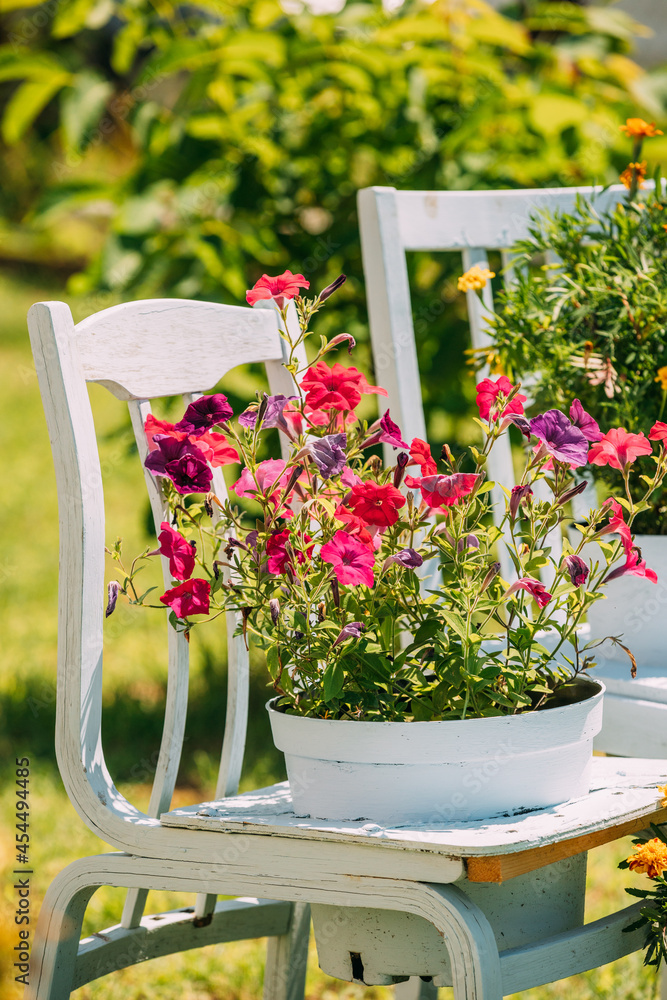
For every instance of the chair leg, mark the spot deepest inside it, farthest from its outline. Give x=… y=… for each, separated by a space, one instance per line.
x=57 y=939
x=287 y=958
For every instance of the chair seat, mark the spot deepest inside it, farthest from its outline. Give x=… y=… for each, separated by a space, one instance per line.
x=624 y=799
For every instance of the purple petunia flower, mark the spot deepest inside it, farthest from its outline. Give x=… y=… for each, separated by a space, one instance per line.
x=560 y=438
x=584 y=422
x=577 y=569
x=190 y=474
x=205 y=413
x=169 y=449
x=353 y=630
x=273 y=413
x=409 y=558
x=328 y=454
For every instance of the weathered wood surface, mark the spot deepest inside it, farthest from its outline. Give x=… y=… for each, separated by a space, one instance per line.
x=623 y=791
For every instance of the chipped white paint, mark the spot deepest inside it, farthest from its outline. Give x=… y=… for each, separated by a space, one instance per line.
x=403 y=772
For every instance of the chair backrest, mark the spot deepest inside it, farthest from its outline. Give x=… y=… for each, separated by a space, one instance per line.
x=139 y=351
x=394 y=222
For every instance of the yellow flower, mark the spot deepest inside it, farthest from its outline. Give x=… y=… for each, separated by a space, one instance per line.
x=661 y=377
x=629 y=173
x=650 y=857
x=639 y=129
x=475 y=278
x=663 y=788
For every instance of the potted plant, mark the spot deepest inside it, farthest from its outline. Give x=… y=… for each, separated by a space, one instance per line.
x=593 y=325
x=390 y=701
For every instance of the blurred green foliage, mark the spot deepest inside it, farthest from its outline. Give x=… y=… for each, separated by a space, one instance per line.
x=183 y=150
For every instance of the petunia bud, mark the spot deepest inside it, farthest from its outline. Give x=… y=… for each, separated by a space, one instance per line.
x=341 y=338
x=113 y=591
x=335 y=592
x=274 y=608
x=352 y=630
x=399 y=470
x=208 y=506
x=333 y=287
x=577 y=569
x=446 y=455
x=262 y=410
x=574 y=491
x=291 y=482
x=517 y=496
x=493 y=572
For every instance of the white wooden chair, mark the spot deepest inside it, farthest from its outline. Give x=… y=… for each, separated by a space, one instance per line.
x=473 y=223
x=454 y=884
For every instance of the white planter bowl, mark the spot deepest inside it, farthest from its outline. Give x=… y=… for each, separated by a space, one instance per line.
x=438 y=772
x=634 y=608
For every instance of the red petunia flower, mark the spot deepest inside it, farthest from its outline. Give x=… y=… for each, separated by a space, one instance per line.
x=285 y=286
x=376 y=504
x=488 y=392
x=658 y=432
x=352 y=561
x=634 y=566
x=179 y=552
x=354 y=525
x=336 y=388
x=189 y=598
x=420 y=454
x=217 y=449
x=618 y=448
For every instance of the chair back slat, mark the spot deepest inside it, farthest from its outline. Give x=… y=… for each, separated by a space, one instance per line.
x=165 y=347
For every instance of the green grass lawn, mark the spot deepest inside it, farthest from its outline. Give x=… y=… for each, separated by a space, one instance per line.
x=134 y=690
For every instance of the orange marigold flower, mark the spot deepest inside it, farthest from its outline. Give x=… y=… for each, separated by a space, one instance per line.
x=663 y=791
x=639 y=129
x=475 y=278
x=632 y=169
x=661 y=377
x=650 y=858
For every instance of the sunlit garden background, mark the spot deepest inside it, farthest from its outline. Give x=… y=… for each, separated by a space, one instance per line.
x=152 y=149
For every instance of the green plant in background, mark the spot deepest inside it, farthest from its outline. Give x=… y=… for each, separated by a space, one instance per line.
x=594 y=324
x=182 y=150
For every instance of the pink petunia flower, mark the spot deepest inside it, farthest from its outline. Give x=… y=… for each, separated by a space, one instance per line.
x=179 y=552
x=584 y=421
x=617 y=525
x=488 y=392
x=536 y=590
x=284 y=286
x=189 y=598
x=445 y=491
x=352 y=561
x=269 y=475
x=634 y=566
x=618 y=448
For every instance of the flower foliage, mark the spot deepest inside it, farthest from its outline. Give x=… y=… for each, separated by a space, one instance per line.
x=595 y=327
x=321 y=553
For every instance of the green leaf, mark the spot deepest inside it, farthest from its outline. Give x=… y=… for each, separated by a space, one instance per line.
x=455 y=622
x=26 y=103
x=82 y=107
x=333 y=680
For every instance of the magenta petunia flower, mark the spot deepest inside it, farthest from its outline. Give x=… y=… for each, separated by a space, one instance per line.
x=536 y=590
x=190 y=474
x=584 y=421
x=618 y=448
x=488 y=392
x=560 y=438
x=352 y=561
x=577 y=569
x=189 y=598
x=179 y=552
x=658 y=432
x=169 y=449
x=205 y=413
